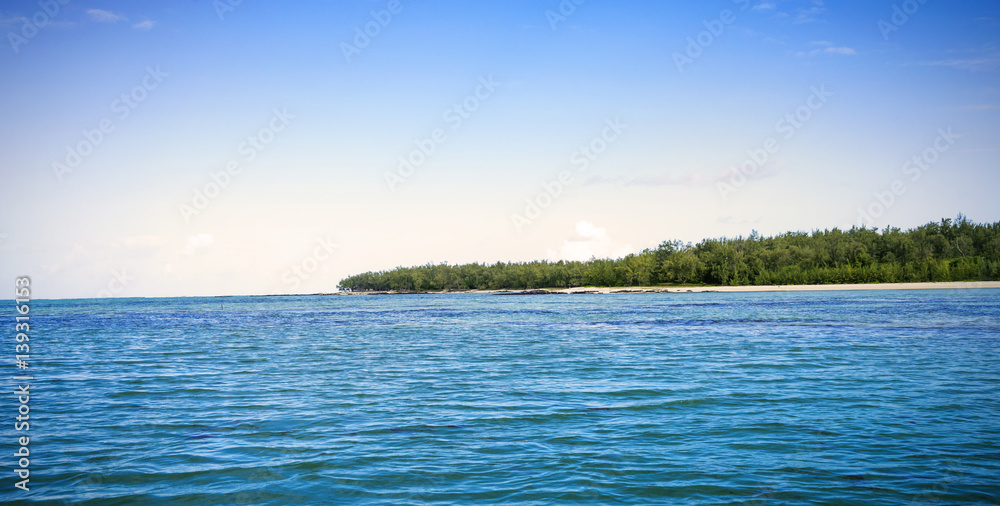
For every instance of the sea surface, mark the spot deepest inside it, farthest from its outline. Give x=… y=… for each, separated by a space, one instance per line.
x=877 y=397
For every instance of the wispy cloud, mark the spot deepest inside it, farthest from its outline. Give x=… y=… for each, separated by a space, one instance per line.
x=596 y=180
x=692 y=179
x=653 y=180
x=826 y=47
x=10 y=21
x=103 y=16
x=976 y=107
x=839 y=50
x=810 y=14
x=140 y=242
x=198 y=242
x=983 y=63
x=76 y=256
x=987 y=22
x=763 y=6
x=145 y=25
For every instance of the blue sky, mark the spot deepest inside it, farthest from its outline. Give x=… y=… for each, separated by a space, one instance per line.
x=823 y=104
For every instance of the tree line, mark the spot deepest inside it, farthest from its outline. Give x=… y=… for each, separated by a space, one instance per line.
x=952 y=250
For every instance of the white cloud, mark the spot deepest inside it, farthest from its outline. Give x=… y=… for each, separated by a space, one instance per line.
x=145 y=25
x=976 y=107
x=9 y=21
x=763 y=6
x=77 y=254
x=198 y=242
x=839 y=50
x=587 y=230
x=102 y=16
x=828 y=48
x=811 y=14
x=140 y=242
x=693 y=179
x=139 y=246
x=973 y=64
x=588 y=242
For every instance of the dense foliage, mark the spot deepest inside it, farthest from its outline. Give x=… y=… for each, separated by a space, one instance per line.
x=952 y=250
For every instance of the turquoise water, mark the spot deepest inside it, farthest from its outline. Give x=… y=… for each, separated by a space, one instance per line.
x=885 y=397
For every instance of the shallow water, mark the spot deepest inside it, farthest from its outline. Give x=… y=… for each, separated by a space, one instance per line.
x=882 y=397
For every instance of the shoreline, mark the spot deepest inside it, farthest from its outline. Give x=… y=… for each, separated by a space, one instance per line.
x=948 y=285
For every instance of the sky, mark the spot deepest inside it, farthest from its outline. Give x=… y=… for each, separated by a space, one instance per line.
x=228 y=147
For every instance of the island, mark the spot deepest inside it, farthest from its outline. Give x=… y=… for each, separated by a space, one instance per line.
x=952 y=253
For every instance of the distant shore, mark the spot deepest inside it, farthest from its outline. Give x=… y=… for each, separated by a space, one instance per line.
x=703 y=289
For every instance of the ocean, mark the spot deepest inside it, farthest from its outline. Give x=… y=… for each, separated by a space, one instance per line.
x=872 y=397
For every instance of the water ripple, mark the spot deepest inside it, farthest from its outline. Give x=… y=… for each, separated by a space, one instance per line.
x=781 y=398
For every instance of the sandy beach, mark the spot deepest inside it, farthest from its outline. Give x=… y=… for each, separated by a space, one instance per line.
x=789 y=288
x=700 y=289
